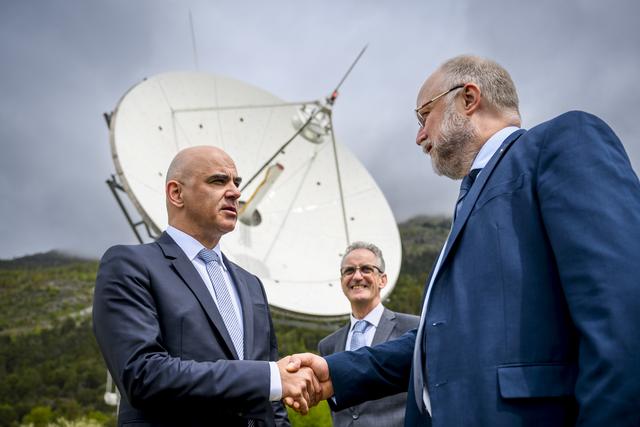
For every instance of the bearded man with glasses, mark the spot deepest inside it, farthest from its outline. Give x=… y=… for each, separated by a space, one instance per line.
x=363 y=275
x=530 y=316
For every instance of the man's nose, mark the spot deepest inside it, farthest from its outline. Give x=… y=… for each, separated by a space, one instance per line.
x=421 y=136
x=233 y=193
x=357 y=272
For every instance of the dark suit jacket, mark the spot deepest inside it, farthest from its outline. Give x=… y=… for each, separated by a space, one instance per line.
x=166 y=345
x=388 y=411
x=533 y=317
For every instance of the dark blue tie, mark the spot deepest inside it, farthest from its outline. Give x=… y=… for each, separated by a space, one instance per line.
x=465 y=186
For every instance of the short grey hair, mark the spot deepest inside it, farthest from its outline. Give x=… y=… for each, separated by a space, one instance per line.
x=368 y=246
x=492 y=79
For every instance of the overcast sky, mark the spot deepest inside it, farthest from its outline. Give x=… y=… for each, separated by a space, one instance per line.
x=64 y=63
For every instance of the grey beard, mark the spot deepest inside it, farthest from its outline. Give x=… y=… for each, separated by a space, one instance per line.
x=453 y=154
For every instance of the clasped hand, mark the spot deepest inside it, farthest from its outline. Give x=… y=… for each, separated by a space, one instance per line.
x=305 y=381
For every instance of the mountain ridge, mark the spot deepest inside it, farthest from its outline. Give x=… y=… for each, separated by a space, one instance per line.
x=52 y=258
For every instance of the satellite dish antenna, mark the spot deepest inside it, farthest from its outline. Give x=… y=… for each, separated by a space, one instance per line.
x=305 y=199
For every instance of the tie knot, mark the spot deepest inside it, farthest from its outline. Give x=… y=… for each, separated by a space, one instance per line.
x=467 y=182
x=208 y=255
x=360 y=326
x=474 y=173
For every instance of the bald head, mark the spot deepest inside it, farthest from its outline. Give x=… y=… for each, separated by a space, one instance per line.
x=188 y=159
x=202 y=193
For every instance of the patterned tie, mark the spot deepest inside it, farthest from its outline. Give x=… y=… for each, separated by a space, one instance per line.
x=357 y=338
x=225 y=306
x=465 y=186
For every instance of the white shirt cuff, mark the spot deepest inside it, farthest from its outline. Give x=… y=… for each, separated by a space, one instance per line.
x=275 y=391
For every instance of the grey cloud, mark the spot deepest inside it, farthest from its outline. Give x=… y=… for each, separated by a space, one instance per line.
x=65 y=63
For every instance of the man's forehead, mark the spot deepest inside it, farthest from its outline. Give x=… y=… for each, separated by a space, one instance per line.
x=219 y=169
x=429 y=87
x=205 y=167
x=360 y=253
x=217 y=160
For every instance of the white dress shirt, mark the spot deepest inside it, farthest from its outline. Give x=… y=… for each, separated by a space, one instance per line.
x=191 y=247
x=373 y=317
x=491 y=146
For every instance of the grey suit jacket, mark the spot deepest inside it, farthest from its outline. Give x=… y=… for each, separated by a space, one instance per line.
x=166 y=346
x=388 y=411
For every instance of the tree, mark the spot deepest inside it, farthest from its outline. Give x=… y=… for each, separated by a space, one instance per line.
x=40 y=416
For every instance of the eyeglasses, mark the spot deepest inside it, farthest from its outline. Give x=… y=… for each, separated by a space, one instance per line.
x=365 y=270
x=419 y=111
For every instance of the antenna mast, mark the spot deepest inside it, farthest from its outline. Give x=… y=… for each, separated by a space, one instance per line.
x=334 y=94
x=193 y=41
x=320 y=109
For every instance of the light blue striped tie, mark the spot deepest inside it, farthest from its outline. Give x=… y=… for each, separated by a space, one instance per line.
x=357 y=337
x=225 y=306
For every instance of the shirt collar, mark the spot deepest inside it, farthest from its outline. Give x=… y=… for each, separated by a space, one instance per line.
x=372 y=317
x=190 y=246
x=491 y=146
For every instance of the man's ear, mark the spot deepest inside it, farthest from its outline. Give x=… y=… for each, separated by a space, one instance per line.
x=471 y=96
x=174 y=193
x=383 y=280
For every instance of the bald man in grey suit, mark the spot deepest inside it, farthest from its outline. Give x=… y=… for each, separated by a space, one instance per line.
x=362 y=278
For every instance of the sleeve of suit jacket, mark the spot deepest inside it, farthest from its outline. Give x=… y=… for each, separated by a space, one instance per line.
x=371 y=372
x=279 y=411
x=589 y=199
x=129 y=334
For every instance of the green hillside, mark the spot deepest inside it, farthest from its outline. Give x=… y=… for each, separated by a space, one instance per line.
x=39 y=289
x=50 y=366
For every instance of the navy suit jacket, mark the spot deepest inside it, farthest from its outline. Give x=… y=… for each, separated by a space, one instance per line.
x=166 y=346
x=534 y=315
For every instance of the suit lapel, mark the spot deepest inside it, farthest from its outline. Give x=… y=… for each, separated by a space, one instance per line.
x=476 y=189
x=340 y=343
x=385 y=327
x=189 y=275
x=246 y=305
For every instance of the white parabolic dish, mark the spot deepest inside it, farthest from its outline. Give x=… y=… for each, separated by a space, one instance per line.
x=297 y=247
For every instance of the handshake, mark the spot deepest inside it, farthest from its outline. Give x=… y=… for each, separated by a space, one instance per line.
x=305 y=381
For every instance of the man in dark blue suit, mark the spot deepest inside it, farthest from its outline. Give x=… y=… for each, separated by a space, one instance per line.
x=186 y=333
x=531 y=314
